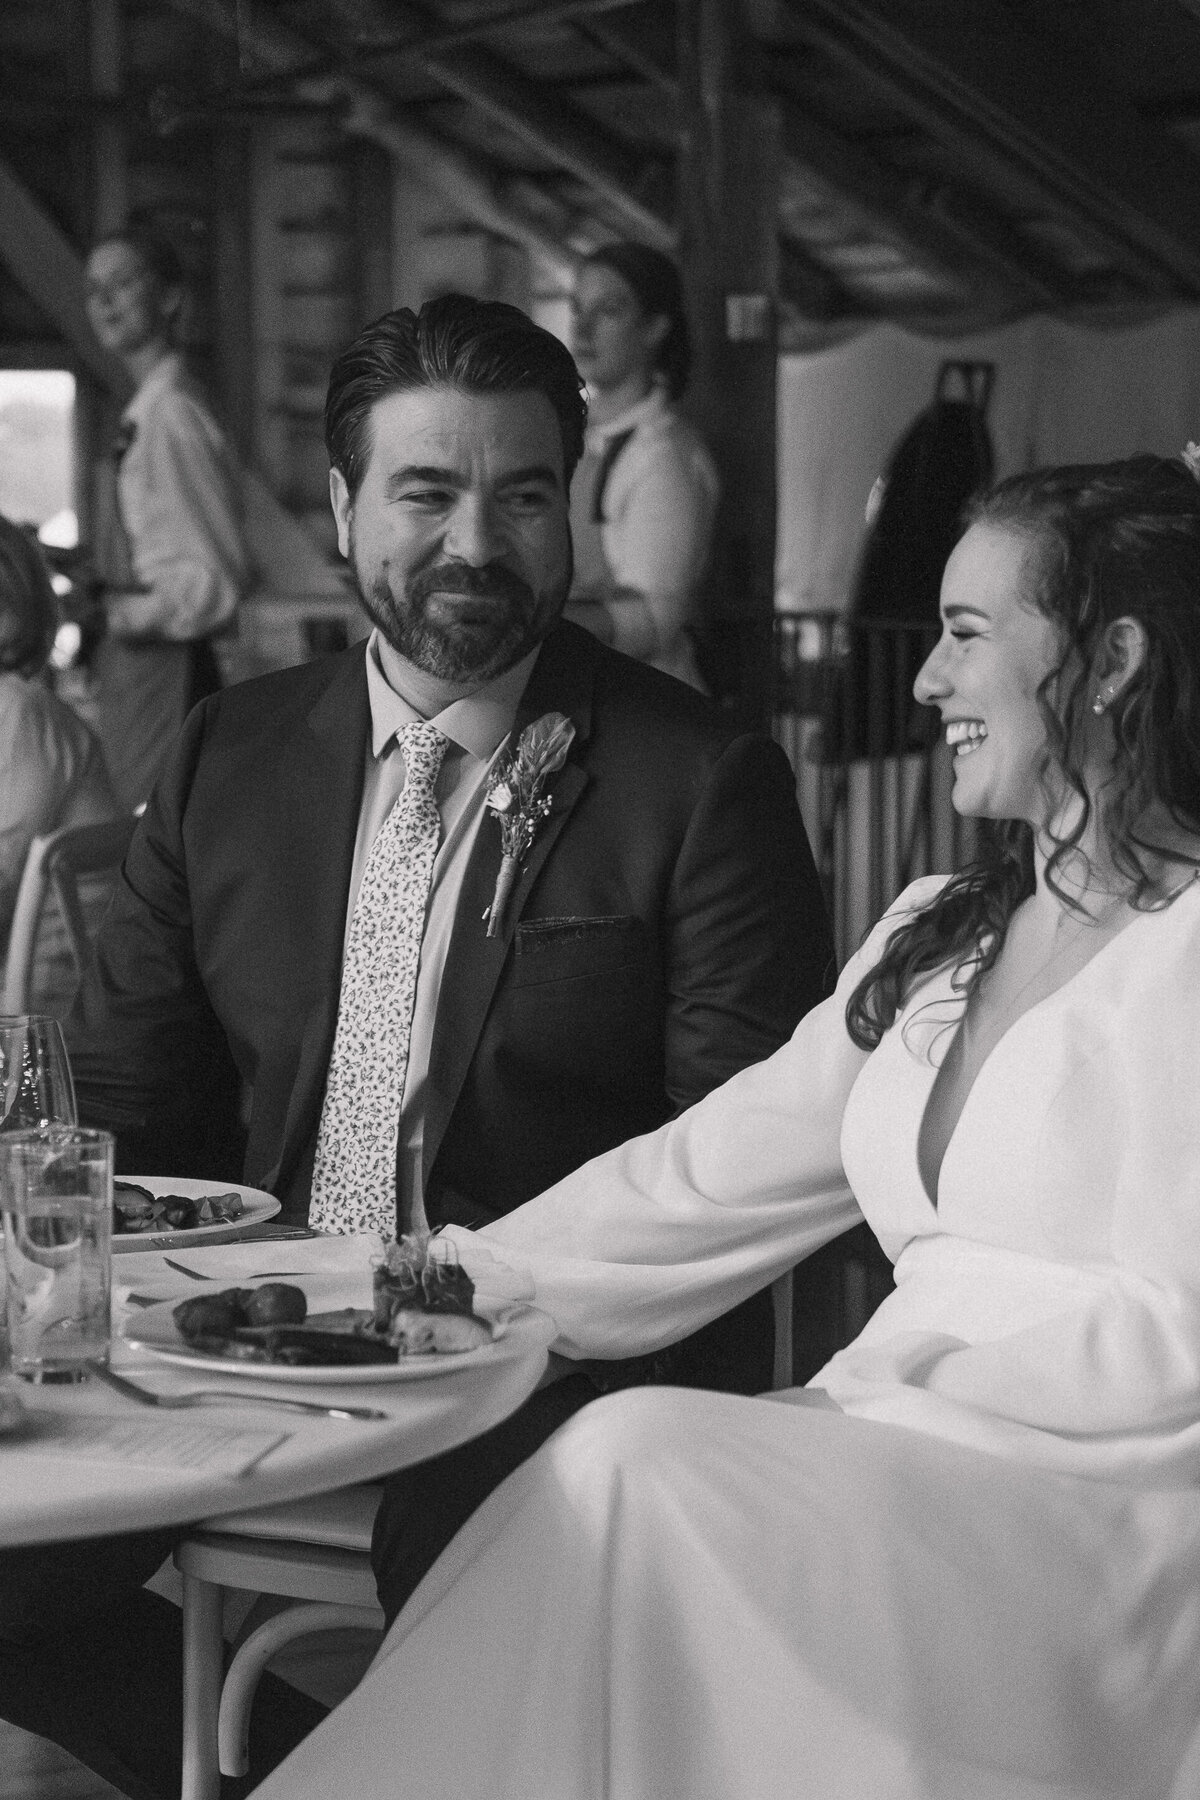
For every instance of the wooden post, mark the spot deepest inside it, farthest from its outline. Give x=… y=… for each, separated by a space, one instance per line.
x=98 y=400
x=106 y=55
x=232 y=291
x=729 y=159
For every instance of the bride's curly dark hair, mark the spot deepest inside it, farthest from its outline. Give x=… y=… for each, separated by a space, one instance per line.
x=1110 y=541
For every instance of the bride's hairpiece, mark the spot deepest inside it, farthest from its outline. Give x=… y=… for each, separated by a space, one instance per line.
x=1191 y=457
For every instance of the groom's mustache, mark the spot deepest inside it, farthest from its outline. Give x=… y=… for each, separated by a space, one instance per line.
x=492 y=582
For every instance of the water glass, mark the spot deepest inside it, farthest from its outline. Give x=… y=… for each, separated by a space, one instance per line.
x=36 y=1088
x=56 y=1198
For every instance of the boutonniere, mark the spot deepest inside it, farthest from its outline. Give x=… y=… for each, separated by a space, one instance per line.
x=515 y=796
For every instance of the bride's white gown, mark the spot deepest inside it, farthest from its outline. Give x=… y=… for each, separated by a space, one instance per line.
x=965 y=1562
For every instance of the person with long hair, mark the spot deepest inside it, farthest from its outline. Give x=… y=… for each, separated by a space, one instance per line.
x=171 y=556
x=643 y=500
x=964 y=1561
x=52 y=771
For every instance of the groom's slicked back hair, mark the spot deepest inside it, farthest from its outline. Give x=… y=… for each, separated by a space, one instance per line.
x=476 y=346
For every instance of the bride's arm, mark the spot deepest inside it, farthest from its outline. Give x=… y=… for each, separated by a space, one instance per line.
x=647 y=1243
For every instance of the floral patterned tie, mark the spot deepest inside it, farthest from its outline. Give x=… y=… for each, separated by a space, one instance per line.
x=354 y=1176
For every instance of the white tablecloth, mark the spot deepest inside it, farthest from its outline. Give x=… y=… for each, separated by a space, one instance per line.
x=67 y=1474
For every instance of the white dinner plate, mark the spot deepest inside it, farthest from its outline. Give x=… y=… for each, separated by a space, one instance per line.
x=155 y=1329
x=256 y=1206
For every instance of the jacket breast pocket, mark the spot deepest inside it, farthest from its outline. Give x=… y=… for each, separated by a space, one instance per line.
x=577 y=949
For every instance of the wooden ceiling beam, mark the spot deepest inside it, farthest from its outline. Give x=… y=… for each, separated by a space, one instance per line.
x=976 y=83
x=261 y=37
x=559 y=133
x=43 y=262
x=935 y=230
x=640 y=44
x=452 y=37
x=959 y=248
x=563 y=135
x=462 y=180
x=813 y=290
x=465 y=181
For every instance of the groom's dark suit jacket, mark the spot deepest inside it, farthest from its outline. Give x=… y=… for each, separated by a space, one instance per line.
x=667 y=929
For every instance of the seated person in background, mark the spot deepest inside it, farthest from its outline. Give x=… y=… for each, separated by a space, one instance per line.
x=51 y=769
x=642 y=505
x=303 y=909
x=965 y=1561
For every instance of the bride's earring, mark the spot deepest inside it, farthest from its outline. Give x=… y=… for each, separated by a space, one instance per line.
x=1102 y=701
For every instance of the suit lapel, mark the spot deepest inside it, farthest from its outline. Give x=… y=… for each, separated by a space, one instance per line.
x=562 y=681
x=323 y=782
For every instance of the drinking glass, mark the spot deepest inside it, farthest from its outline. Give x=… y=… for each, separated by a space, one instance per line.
x=36 y=1088
x=56 y=1198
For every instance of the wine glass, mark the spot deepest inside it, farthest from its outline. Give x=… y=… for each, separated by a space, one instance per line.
x=36 y=1088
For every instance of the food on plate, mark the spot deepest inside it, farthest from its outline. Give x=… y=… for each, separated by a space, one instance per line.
x=136 y=1209
x=311 y=1346
x=415 y=1277
x=422 y=1307
x=415 y=1333
x=423 y=1301
x=275 y=1303
x=213 y=1315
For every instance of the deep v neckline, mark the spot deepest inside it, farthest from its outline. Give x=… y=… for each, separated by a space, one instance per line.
x=928 y=1112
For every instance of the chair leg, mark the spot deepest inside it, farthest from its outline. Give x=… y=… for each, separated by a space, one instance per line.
x=203 y=1655
x=242 y=1678
x=782 y=1296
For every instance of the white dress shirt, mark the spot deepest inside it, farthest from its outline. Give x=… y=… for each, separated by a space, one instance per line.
x=659 y=503
x=477 y=728
x=180 y=501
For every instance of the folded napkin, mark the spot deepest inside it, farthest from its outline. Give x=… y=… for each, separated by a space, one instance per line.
x=334 y=1270
x=496 y=1276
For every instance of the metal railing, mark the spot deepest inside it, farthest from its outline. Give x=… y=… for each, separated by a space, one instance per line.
x=873 y=776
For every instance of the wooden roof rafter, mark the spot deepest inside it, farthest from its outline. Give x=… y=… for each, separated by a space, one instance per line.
x=433 y=38
x=958 y=246
x=1084 y=153
x=1190 y=6
x=810 y=289
x=43 y=262
x=551 y=128
x=465 y=180
x=633 y=44
x=964 y=250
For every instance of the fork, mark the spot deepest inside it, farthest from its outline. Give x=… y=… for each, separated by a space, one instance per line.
x=259 y=1274
x=223 y=1397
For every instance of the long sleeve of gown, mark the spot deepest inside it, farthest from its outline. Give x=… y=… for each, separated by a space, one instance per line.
x=647 y=1243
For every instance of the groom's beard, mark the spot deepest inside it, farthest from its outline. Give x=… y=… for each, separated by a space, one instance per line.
x=498 y=619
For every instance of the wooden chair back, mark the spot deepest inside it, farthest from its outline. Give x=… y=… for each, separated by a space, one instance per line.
x=58 y=863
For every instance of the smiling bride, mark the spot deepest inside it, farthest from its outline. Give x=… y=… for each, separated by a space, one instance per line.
x=964 y=1562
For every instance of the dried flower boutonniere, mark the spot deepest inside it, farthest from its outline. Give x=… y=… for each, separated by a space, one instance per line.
x=515 y=796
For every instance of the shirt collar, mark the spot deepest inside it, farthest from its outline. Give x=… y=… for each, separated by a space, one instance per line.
x=651 y=406
x=167 y=372
x=478 y=724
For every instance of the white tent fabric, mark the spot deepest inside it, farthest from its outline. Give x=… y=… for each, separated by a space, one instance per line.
x=1063 y=393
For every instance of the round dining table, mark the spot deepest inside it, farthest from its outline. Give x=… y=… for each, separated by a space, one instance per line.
x=84 y=1460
